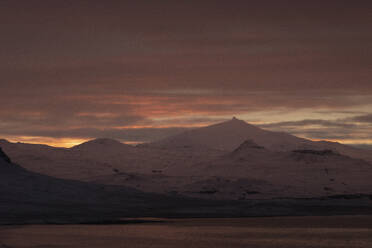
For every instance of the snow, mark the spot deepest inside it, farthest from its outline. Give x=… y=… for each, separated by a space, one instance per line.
x=221 y=161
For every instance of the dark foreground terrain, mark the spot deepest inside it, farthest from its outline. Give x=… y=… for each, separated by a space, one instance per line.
x=279 y=232
x=31 y=198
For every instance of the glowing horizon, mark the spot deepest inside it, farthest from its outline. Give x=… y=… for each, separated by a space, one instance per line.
x=70 y=142
x=138 y=72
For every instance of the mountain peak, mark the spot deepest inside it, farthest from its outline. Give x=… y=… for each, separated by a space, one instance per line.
x=229 y=135
x=100 y=142
x=235 y=123
x=233 y=120
x=104 y=141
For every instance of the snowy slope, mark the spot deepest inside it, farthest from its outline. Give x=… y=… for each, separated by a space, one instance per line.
x=95 y=158
x=22 y=185
x=229 y=135
x=304 y=172
x=225 y=160
x=30 y=197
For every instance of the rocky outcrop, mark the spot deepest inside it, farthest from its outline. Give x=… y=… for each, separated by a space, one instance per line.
x=4 y=157
x=248 y=144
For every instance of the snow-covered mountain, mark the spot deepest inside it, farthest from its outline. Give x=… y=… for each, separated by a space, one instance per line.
x=102 y=145
x=28 y=197
x=229 y=160
x=300 y=173
x=101 y=157
x=228 y=135
x=25 y=196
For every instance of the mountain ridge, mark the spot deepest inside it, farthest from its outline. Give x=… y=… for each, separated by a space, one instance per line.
x=224 y=160
x=229 y=135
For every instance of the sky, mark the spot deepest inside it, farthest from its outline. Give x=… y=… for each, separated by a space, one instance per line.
x=140 y=70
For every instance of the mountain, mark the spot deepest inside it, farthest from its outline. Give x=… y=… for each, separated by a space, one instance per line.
x=173 y=155
x=227 y=136
x=229 y=160
x=81 y=162
x=27 y=196
x=254 y=172
x=31 y=198
x=300 y=173
x=100 y=157
x=102 y=144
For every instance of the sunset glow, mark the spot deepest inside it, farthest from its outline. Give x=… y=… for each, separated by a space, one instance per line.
x=89 y=73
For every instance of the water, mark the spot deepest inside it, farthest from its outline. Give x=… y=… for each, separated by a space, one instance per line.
x=286 y=232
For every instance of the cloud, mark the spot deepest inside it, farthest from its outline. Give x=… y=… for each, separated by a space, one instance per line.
x=304 y=123
x=71 y=69
x=136 y=135
x=363 y=118
x=344 y=130
x=100 y=115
